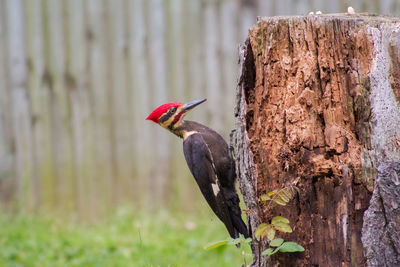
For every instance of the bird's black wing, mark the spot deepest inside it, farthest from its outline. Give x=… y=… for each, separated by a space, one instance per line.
x=199 y=160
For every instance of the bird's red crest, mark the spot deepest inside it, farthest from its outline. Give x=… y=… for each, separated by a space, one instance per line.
x=156 y=114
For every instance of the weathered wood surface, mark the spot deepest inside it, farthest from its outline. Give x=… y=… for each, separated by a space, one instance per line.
x=381 y=230
x=318 y=107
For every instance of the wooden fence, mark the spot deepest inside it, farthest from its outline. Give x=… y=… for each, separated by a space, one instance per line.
x=78 y=78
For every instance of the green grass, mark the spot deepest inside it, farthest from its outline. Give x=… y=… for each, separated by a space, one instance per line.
x=128 y=239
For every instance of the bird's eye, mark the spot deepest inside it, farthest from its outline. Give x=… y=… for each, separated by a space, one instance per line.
x=172 y=110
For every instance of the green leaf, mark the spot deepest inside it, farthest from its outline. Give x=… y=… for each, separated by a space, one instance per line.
x=283 y=227
x=288 y=193
x=216 y=244
x=276 y=242
x=235 y=241
x=264 y=197
x=260 y=230
x=282 y=224
x=230 y=240
x=290 y=247
x=279 y=201
x=271 y=233
x=268 y=252
x=247 y=240
x=279 y=219
x=267 y=196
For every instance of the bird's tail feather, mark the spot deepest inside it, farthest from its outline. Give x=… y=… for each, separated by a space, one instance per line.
x=239 y=225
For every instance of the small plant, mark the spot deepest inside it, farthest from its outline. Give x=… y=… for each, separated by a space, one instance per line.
x=277 y=244
x=278 y=223
x=268 y=230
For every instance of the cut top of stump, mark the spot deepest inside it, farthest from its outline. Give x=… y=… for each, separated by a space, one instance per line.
x=343 y=17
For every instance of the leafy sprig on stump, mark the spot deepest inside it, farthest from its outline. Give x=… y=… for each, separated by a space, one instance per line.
x=278 y=223
x=268 y=230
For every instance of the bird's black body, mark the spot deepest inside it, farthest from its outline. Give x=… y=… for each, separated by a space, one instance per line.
x=209 y=159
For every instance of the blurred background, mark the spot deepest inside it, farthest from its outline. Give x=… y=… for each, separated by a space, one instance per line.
x=79 y=77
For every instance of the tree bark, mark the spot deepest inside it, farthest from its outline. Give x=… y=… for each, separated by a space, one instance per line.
x=318 y=107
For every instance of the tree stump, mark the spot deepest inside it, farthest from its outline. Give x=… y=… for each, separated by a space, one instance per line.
x=318 y=107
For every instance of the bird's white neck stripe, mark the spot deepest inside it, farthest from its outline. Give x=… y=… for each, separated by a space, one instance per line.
x=187 y=134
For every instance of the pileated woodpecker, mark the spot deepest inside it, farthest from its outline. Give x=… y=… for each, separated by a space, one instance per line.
x=209 y=160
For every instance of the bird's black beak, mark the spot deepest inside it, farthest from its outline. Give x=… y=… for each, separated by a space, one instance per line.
x=188 y=106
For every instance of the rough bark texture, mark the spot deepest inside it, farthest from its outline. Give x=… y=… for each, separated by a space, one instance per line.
x=318 y=107
x=381 y=229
